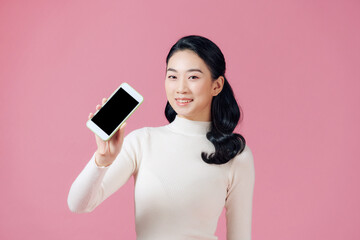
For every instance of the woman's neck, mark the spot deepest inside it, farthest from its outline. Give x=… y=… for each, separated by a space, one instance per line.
x=189 y=127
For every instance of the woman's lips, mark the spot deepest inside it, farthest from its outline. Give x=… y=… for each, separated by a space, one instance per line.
x=183 y=101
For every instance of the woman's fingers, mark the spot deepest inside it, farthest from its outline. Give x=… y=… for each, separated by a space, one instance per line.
x=97 y=107
x=121 y=132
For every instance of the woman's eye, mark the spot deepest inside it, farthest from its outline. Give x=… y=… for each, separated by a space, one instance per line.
x=193 y=77
x=171 y=77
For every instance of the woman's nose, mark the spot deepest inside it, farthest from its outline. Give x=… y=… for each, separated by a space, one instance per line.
x=182 y=86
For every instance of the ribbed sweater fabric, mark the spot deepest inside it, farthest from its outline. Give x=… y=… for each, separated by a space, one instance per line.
x=177 y=194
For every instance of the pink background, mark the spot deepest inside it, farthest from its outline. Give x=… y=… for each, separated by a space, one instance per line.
x=294 y=67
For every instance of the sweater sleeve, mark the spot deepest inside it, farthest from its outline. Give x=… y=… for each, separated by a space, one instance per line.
x=239 y=197
x=94 y=184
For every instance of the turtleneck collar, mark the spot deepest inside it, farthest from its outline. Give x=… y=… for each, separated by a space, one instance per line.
x=189 y=127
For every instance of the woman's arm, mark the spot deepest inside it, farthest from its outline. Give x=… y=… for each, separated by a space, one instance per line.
x=240 y=195
x=94 y=184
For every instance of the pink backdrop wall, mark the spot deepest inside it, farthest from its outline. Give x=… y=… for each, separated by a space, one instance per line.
x=294 y=67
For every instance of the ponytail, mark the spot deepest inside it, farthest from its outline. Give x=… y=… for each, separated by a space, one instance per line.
x=225 y=115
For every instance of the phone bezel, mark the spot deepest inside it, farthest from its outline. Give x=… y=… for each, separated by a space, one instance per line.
x=133 y=93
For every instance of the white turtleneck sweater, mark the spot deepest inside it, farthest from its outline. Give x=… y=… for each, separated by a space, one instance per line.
x=177 y=194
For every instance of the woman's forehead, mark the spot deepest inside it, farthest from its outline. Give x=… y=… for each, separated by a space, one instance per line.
x=186 y=60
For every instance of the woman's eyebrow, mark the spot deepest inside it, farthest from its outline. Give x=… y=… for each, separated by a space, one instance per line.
x=190 y=70
x=171 y=69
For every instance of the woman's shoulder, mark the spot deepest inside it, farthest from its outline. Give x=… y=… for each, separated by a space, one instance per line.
x=242 y=169
x=137 y=132
x=243 y=160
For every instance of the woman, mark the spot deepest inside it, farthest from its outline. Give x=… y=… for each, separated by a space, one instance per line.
x=185 y=172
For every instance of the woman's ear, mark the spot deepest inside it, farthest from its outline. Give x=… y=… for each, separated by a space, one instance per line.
x=217 y=85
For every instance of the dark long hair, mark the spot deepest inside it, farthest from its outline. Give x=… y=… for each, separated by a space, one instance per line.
x=225 y=112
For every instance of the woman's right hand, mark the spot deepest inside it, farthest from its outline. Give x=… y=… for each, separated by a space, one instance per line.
x=108 y=150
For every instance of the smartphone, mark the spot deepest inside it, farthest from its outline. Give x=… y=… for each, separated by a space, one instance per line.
x=115 y=111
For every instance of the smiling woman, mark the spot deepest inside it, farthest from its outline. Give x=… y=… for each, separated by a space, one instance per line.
x=185 y=172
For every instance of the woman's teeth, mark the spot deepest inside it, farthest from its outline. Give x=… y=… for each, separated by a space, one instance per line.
x=183 y=101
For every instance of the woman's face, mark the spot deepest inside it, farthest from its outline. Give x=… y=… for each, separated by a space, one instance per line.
x=190 y=87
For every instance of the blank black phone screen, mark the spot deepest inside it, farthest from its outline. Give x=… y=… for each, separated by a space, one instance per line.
x=116 y=109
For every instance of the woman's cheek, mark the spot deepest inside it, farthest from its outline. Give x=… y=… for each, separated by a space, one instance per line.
x=169 y=85
x=197 y=87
